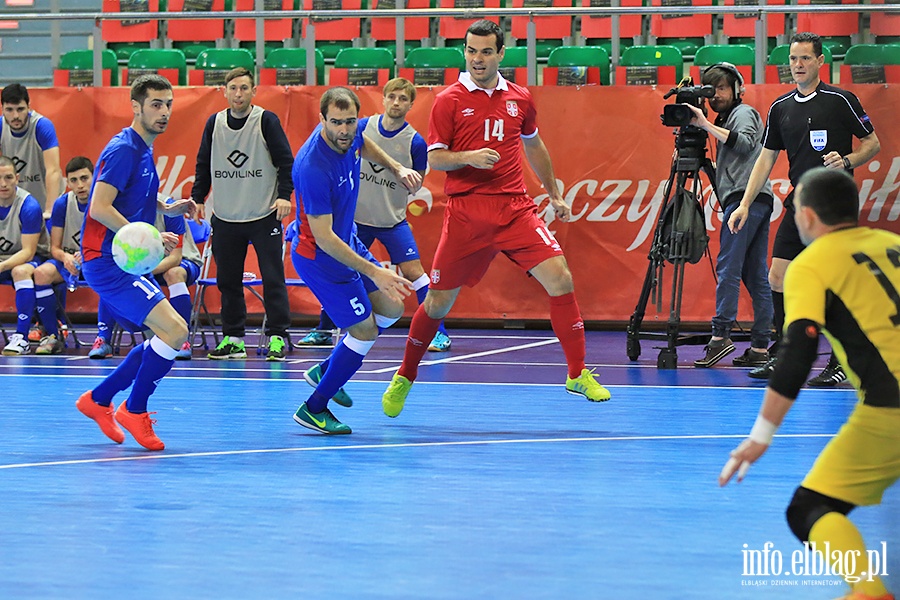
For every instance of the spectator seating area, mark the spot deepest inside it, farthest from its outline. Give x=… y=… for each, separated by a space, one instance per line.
x=654 y=49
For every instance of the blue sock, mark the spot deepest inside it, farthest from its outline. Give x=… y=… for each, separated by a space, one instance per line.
x=420 y=295
x=182 y=305
x=157 y=361
x=45 y=299
x=345 y=360
x=25 y=302
x=121 y=378
x=105 y=321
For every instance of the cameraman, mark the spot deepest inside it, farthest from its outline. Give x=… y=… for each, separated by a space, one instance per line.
x=738 y=130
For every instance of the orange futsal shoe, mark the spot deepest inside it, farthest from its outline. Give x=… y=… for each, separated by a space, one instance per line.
x=103 y=415
x=141 y=427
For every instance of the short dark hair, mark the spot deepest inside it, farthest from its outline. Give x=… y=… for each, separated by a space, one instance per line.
x=715 y=75
x=6 y=161
x=78 y=163
x=808 y=37
x=342 y=98
x=240 y=72
x=14 y=93
x=485 y=28
x=142 y=85
x=831 y=193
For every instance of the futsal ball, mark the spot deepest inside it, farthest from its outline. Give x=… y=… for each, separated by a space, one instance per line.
x=137 y=248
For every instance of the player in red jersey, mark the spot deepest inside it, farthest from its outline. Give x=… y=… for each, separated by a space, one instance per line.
x=478 y=128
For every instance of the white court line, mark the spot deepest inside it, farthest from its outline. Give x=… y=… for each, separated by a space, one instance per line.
x=615 y=386
x=405 y=445
x=545 y=342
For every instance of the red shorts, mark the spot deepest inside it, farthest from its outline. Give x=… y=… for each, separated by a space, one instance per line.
x=477 y=227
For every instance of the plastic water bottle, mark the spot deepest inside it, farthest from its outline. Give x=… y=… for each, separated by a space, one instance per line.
x=72 y=279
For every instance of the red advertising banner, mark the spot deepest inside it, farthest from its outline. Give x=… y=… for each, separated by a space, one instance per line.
x=611 y=156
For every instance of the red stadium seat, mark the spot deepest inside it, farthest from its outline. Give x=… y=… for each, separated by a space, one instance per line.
x=684 y=32
x=455 y=29
x=333 y=34
x=548 y=29
x=743 y=25
x=835 y=28
x=274 y=30
x=195 y=30
x=600 y=28
x=140 y=29
x=414 y=28
x=884 y=26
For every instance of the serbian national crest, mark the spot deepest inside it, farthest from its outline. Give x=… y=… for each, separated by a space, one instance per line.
x=512 y=108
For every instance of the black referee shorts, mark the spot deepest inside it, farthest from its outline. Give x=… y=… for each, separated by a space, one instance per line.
x=787 y=239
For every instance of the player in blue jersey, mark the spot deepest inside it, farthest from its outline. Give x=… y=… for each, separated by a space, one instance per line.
x=24 y=247
x=64 y=264
x=381 y=211
x=125 y=190
x=360 y=295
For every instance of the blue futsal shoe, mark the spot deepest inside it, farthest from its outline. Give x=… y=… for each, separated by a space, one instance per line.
x=313 y=376
x=440 y=343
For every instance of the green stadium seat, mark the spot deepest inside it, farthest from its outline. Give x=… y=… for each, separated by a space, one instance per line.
x=650 y=65
x=76 y=69
x=778 y=68
x=577 y=65
x=741 y=56
x=169 y=63
x=287 y=66
x=871 y=63
x=362 y=67
x=514 y=66
x=433 y=66
x=212 y=65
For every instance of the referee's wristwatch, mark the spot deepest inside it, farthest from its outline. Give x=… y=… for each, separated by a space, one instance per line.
x=846 y=162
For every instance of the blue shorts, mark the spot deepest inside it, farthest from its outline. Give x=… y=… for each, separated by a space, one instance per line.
x=191 y=268
x=68 y=278
x=397 y=240
x=343 y=292
x=6 y=276
x=129 y=297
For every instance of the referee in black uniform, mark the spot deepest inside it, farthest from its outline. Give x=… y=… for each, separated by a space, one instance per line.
x=815 y=123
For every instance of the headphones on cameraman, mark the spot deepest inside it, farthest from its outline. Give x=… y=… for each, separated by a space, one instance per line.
x=739 y=88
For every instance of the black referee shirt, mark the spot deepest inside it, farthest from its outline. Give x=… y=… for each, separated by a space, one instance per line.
x=809 y=127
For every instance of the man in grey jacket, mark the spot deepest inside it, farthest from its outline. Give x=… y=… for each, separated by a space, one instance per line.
x=738 y=130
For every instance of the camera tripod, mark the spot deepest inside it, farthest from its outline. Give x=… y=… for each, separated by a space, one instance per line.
x=672 y=243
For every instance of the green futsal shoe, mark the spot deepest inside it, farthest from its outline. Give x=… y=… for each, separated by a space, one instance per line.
x=323 y=422
x=395 y=396
x=586 y=385
x=314 y=374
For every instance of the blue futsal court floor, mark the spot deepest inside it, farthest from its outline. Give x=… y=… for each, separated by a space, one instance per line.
x=493 y=482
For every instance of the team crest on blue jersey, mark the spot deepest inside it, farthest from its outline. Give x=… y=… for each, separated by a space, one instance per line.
x=356 y=155
x=512 y=108
x=818 y=139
